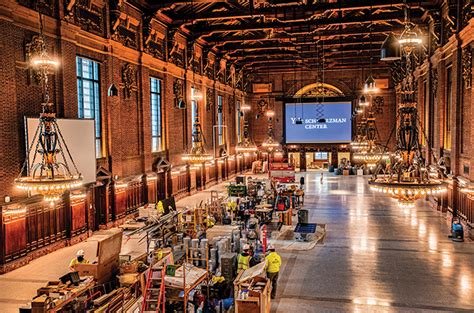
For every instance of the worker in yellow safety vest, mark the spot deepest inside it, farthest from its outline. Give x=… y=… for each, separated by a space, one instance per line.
x=273 y=263
x=79 y=259
x=243 y=259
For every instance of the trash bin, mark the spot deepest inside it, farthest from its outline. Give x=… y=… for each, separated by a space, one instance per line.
x=303 y=216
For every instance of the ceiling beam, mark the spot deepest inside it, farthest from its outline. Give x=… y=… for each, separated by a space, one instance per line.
x=277 y=43
x=284 y=35
x=162 y=4
x=317 y=8
x=204 y=30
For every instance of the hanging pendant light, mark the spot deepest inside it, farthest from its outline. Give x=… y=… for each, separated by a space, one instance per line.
x=363 y=101
x=48 y=157
x=270 y=143
x=370 y=86
x=197 y=153
x=246 y=145
x=369 y=151
x=408 y=177
x=390 y=50
x=409 y=39
x=112 y=91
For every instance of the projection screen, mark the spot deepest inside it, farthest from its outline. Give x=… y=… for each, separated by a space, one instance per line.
x=328 y=122
x=80 y=138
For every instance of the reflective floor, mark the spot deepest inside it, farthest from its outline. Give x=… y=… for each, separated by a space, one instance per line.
x=376 y=256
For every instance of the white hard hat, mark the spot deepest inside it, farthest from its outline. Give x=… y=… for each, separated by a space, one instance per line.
x=271 y=247
x=80 y=253
x=246 y=247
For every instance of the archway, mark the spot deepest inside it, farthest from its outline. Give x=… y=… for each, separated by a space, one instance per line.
x=317 y=90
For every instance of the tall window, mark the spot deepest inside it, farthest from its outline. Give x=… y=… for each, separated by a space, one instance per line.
x=220 y=129
x=238 y=120
x=88 y=93
x=194 y=107
x=155 y=101
x=448 y=109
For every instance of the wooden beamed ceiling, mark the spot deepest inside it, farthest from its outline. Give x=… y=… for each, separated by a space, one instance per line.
x=249 y=32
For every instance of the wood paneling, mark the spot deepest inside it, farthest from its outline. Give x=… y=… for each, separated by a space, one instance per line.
x=120 y=201
x=14 y=241
x=78 y=216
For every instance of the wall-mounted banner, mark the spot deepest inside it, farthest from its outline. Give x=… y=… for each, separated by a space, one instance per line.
x=328 y=122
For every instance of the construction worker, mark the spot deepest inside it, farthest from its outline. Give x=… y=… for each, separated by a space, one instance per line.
x=243 y=260
x=273 y=263
x=210 y=221
x=79 y=259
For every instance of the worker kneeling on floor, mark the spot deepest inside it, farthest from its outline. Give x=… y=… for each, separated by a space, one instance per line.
x=79 y=259
x=273 y=263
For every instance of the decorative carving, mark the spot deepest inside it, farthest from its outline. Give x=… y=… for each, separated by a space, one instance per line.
x=377 y=105
x=152 y=43
x=466 y=13
x=86 y=14
x=178 y=94
x=247 y=80
x=467 y=66
x=209 y=66
x=230 y=71
x=318 y=90
x=239 y=79
x=220 y=75
x=435 y=28
x=262 y=106
x=210 y=98
x=124 y=29
x=129 y=80
x=176 y=53
x=449 y=21
x=47 y=7
x=32 y=48
x=194 y=61
x=434 y=82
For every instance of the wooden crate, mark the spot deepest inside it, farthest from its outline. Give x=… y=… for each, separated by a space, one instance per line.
x=259 y=301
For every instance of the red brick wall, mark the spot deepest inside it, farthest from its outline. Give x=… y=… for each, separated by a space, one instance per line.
x=350 y=82
x=126 y=123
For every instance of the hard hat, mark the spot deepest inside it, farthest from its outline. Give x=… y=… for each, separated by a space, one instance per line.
x=246 y=247
x=80 y=253
x=271 y=247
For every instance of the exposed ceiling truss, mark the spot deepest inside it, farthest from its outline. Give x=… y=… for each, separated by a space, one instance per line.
x=260 y=33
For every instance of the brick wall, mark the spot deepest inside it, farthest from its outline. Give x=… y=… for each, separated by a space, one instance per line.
x=126 y=123
x=350 y=82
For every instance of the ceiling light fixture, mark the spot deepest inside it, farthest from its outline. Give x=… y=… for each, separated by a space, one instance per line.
x=408 y=179
x=48 y=157
x=390 y=50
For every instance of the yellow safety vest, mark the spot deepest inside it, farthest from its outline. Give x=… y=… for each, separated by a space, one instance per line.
x=243 y=262
x=273 y=262
x=75 y=261
x=160 y=208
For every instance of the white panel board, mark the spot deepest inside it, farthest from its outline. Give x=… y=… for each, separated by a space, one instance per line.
x=79 y=135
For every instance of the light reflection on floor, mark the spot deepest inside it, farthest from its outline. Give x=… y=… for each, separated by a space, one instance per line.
x=377 y=257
